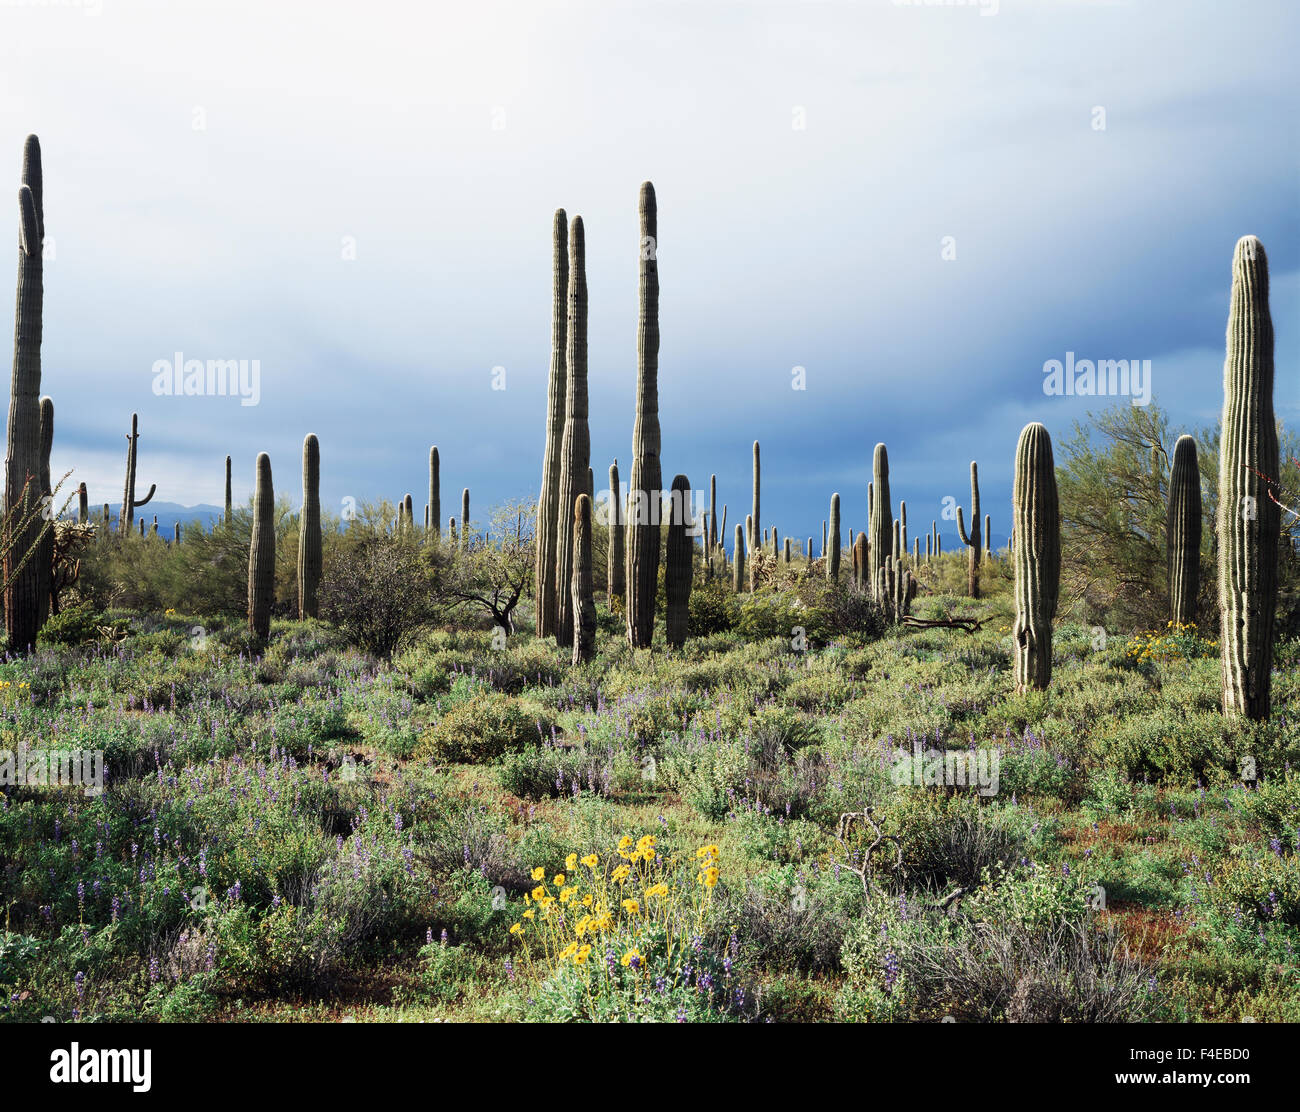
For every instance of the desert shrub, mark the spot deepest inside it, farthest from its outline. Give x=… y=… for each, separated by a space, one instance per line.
x=378 y=593
x=713 y=608
x=74 y=625
x=951 y=839
x=483 y=728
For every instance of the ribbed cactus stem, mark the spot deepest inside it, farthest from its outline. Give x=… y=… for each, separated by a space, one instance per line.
x=1249 y=521
x=545 y=582
x=677 y=568
x=176 y=532
x=808 y=551
x=972 y=540
x=154 y=527
x=615 y=583
x=647 y=473
x=464 y=517
x=881 y=529
x=988 y=535
x=833 y=553
x=575 y=447
x=1036 y=525
x=755 y=512
x=435 y=495
x=582 y=599
x=738 y=561
x=1183 y=532
x=261 y=552
x=860 y=561
x=45 y=550
x=230 y=506
x=22 y=576
x=789 y=548
x=309 y=530
x=713 y=513
x=83 y=504
x=902 y=528
x=130 y=503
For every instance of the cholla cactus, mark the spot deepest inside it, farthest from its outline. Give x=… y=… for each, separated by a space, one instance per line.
x=1036 y=523
x=677 y=570
x=261 y=553
x=973 y=540
x=309 y=530
x=1249 y=518
x=1183 y=532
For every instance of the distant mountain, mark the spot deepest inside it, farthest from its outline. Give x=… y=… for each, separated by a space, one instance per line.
x=169 y=513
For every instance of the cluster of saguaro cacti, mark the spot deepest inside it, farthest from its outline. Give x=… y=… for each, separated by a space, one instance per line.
x=973 y=539
x=261 y=552
x=1249 y=517
x=575 y=447
x=545 y=585
x=1036 y=548
x=1183 y=531
x=647 y=471
x=582 y=600
x=614 y=567
x=309 y=530
x=26 y=579
x=677 y=569
x=897 y=585
x=130 y=503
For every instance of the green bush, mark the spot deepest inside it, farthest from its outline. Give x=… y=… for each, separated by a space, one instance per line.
x=482 y=729
x=74 y=626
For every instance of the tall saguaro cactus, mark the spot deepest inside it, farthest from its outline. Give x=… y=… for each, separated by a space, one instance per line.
x=435 y=495
x=309 y=531
x=973 y=539
x=615 y=570
x=22 y=574
x=833 y=552
x=548 y=504
x=711 y=541
x=230 y=506
x=1249 y=522
x=677 y=570
x=647 y=473
x=1036 y=527
x=464 y=518
x=582 y=601
x=575 y=447
x=738 y=561
x=83 y=504
x=860 y=559
x=261 y=552
x=758 y=527
x=1183 y=532
x=45 y=550
x=130 y=503
x=881 y=526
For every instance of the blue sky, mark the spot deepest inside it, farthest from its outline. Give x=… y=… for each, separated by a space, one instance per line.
x=442 y=137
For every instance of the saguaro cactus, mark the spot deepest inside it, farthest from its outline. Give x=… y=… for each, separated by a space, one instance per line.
x=130 y=503
x=575 y=447
x=464 y=517
x=881 y=525
x=24 y=588
x=83 y=504
x=45 y=549
x=615 y=585
x=757 y=521
x=435 y=495
x=1249 y=522
x=714 y=535
x=261 y=553
x=647 y=474
x=677 y=571
x=309 y=531
x=988 y=535
x=860 y=560
x=230 y=506
x=833 y=551
x=545 y=584
x=738 y=561
x=973 y=539
x=1036 y=525
x=582 y=602
x=1183 y=532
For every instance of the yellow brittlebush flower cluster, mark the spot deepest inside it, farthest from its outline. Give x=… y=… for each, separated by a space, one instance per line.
x=1177 y=641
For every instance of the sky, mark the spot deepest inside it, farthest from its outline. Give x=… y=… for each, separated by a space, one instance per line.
x=919 y=205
